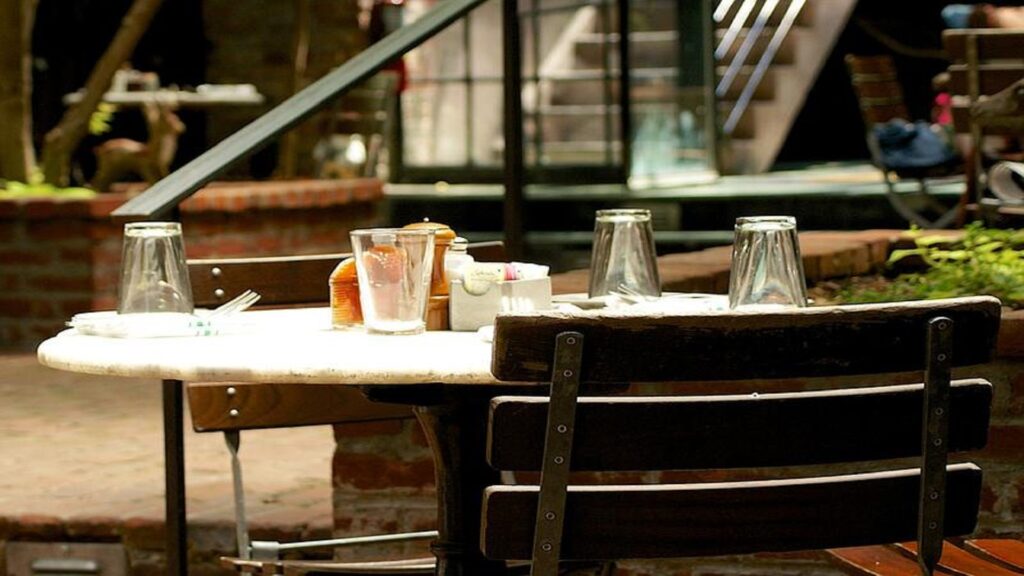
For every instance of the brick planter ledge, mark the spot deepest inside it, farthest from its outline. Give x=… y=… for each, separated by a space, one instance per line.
x=60 y=257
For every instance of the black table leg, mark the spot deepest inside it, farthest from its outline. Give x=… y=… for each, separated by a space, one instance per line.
x=456 y=433
x=174 y=479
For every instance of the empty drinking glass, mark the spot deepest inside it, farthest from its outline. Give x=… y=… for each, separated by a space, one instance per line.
x=767 y=270
x=623 y=260
x=154 y=276
x=394 y=268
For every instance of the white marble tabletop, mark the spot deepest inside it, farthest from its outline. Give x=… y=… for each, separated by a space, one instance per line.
x=287 y=346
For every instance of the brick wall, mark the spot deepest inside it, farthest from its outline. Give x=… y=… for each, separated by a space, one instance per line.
x=383 y=477
x=59 y=258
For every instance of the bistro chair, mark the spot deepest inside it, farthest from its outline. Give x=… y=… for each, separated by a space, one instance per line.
x=984 y=63
x=880 y=97
x=558 y=432
x=231 y=407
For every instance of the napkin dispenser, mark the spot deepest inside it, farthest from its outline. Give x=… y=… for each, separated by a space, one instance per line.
x=470 y=311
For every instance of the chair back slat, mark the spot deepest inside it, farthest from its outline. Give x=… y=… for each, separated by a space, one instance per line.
x=280 y=280
x=665 y=521
x=826 y=341
x=699 y=432
x=877 y=87
x=992 y=77
x=221 y=406
x=993 y=44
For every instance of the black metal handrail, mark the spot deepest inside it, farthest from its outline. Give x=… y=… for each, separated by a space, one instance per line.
x=161 y=199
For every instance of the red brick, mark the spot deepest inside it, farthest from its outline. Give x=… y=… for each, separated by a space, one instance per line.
x=39 y=257
x=9 y=231
x=59 y=229
x=61 y=283
x=144 y=533
x=9 y=209
x=25 y=308
x=376 y=472
x=94 y=529
x=70 y=306
x=75 y=253
x=40 y=208
x=9 y=281
x=34 y=527
x=1005 y=443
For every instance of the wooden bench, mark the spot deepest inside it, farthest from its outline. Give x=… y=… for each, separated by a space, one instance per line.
x=983 y=63
x=555 y=521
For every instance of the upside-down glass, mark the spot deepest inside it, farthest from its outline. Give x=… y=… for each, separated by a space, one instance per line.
x=624 y=260
x=394 y=268
x=767 y=271
x=154 y=276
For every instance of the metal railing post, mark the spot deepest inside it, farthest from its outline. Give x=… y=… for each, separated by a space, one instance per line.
x=514 y=171
x=625 y=82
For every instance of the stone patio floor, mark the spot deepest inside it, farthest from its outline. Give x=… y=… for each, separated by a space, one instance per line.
x=75 y=446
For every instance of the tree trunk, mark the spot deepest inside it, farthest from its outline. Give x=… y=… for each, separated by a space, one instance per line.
x=17 y=156
x=61 y=142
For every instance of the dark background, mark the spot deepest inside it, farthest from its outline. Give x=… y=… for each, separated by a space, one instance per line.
x=71 y=35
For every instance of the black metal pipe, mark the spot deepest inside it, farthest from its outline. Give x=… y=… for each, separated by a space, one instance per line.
x=172 y=190
x=174 y=479
x=514 y=172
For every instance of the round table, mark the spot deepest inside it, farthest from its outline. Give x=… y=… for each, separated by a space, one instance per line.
x=445 y=375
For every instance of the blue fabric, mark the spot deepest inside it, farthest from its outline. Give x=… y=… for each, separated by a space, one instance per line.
x=957 y=15
x=906 y=145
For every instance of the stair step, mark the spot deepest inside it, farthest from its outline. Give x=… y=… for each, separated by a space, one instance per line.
x=765 y=89
x=648 y=16
x=587 y=87
x=786 y=53
x=745 y=128
x=805 y=18
x=575 y=123
x=576 y=153
x=657 y=48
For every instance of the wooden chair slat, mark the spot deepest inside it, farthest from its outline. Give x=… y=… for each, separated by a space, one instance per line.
x=826 y=341
x=991 y=77
x=962 y=123
x=644 y=433
x=992 y=44
x=879 y=561
x=279 y=280
x=871 y=67
x=1009 y=552
x=265 y=405
x=959 y=561
x=610 y=522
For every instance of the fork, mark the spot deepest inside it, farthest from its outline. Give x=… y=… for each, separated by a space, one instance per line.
x=237 y=304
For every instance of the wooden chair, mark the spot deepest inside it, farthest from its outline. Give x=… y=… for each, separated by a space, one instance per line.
x=983 y=62
x=560 y=432
x=231 y=407
x=880 y=97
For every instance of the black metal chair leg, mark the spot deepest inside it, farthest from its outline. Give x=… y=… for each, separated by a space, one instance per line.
x=174 y=479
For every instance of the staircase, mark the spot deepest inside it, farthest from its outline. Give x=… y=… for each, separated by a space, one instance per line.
x=768 y=54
